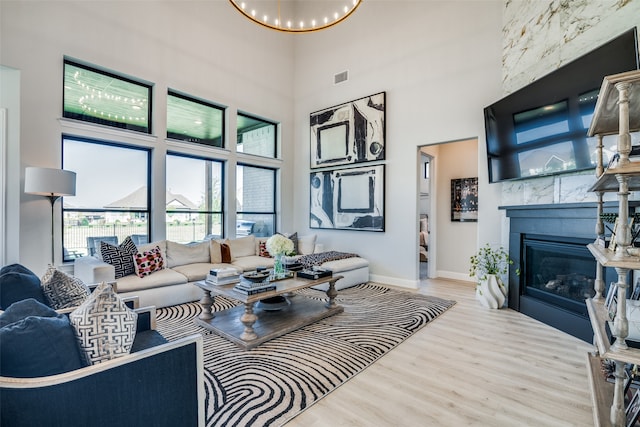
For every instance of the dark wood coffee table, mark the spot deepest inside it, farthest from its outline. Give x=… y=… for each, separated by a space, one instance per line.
x=249 y=326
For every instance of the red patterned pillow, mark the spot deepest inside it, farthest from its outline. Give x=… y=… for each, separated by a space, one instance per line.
x=149 y=261
x=262 y=250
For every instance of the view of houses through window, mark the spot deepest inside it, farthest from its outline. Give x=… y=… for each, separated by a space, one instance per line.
x=116 y=182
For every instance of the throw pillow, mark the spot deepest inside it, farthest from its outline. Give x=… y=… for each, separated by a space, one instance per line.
x=36 y=342
x=121 y=257
x=104 y=325
x=244 y=246
x=149 y=261
x=215 y=252
x=294 y=238
x=180 y=254
x=306 y=244
x=18 y=283
x=262 y=250
x=225 y=252
x=62 y=290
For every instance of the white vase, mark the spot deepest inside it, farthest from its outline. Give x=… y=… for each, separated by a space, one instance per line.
x=491 y=292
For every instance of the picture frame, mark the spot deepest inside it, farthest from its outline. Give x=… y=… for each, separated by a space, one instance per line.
x=348 y=199
x=464 y=199
x=349 y=133
x=612 y=242
x=635 y=295
x=611 y=301
x=632 y=411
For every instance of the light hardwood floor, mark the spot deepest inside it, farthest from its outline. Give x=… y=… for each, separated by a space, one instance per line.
x=471 y=366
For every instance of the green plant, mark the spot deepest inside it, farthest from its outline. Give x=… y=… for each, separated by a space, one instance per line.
x=490 y=261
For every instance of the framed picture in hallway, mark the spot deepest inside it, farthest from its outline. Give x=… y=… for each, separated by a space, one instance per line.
x=348 y=199
x=353 y=132
x=464 y=199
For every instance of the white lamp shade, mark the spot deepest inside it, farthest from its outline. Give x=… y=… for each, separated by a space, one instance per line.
x=49 y=182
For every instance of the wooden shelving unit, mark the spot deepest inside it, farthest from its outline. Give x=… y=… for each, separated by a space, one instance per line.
x=617 y=111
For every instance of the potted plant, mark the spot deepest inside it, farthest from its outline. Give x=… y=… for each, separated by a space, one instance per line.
x=489 y=265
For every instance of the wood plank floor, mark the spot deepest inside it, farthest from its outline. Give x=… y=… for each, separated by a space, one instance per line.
x=471 y=366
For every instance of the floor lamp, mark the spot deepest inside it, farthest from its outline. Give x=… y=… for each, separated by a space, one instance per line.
x=51 y=183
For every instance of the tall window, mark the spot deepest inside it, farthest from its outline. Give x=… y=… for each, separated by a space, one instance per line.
x=256 y=136
x=112 y=195
x=194 y=198
x=194 y=120
x=105 y=98
x=256 y=200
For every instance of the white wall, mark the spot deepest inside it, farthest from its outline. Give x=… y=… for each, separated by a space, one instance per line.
x=204 y=48
x=439 y=63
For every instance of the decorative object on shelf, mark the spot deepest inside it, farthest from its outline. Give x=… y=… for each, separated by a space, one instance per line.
x=348 y=199
x=295 y=16
x=255 y=276
x=488 y=265
x=51 y=183
x=464 y=199
x=276 y=303
x=353 y=132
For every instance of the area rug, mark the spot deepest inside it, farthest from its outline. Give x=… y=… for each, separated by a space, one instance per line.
x=272 y=383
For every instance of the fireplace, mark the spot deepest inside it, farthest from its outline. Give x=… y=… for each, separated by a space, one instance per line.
x=549 y=244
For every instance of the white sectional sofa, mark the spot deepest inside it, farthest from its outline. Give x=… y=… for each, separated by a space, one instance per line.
x=185 y=264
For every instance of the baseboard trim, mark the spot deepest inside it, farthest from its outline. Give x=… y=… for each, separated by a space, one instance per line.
x=463 y=277
x=394 y=281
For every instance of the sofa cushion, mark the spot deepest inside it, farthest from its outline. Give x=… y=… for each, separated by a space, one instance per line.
x=346 y=264
x=244 y=246
x=164 y=277
x=306 y=244
x=250 y=263
x=121 y=257
x=194 y=272
x=18 y=283
x=36 y=341
x=104 y=325
x=147 y=339
x=180 y=254
x=148 y=261
x=62 y=290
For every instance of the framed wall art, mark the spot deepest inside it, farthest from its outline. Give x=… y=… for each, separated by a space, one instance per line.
x=464 y=199
x=350 y=199
x=350 y=133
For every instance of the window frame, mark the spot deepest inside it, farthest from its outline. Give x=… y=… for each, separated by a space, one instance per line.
x=223 y=168
x=114 y=144
x=111 y=74
x=196 y=100
x=274 y=213
x=276 y=152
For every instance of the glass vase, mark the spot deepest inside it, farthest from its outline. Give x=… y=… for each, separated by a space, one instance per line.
x=278 y=267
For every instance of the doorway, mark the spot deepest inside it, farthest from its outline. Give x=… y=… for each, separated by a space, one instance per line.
x=424 y=214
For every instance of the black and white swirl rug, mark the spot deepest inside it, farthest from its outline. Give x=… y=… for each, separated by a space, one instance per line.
x=270 y=384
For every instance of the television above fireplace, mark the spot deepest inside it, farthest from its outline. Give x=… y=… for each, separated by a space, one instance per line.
x=541 y=129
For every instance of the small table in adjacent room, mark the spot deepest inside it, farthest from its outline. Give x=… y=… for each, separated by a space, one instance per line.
x=249 y=326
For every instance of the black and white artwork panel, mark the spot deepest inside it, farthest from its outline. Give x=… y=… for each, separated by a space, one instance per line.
x=351 y=198
x=349 y=133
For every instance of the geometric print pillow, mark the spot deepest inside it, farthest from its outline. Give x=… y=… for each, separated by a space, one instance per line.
x=149 y=261
x=104 y=326
x=121 y=257
x=62 y=290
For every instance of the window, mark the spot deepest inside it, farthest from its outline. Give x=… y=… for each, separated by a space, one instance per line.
x=256 y=200
x=256 y=136
x=194 y=198
x=112 y=195
x=192 y=120
x=105 y=98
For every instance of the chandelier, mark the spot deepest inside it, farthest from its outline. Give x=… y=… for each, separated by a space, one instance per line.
x=296 y=16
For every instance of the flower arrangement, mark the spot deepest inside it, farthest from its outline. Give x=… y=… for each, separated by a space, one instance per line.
x=279 y=245
x=490 y=261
